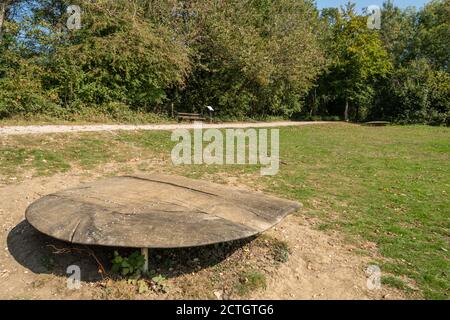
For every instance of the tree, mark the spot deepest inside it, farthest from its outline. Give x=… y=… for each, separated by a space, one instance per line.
x=397 y=32
x=247 y=58
x=4 y=4
x=433 y=33
x=415 y=93
x=253 y=57
x=358 y=61
x=117 y=57
x=418 y=89
x=7 y=7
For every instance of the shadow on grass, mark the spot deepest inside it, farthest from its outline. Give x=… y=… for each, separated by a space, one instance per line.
x=42 y=254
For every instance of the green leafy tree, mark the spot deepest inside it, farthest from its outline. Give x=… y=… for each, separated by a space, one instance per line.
x=118 y=56
x=5 y=6
x=433 y=33
x=417 y=90
x=416 y=93
x=21 y=90
x=253 y=57
x=398 y=29
x=358 y=61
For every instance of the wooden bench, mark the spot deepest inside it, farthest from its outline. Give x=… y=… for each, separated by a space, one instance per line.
x=377 y=123
x=190 y=116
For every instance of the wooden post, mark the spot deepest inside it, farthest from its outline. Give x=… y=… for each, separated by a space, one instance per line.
x=144 y=252
x=346 y=110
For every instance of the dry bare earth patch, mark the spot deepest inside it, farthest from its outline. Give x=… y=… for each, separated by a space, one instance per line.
x=33 y=266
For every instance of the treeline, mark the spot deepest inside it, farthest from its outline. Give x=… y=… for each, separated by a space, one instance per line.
x=399 y=73
x=246 y=58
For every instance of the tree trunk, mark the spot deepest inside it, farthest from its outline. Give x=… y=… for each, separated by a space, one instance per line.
x=346 y=110
x=357 y=113
x=3 y=4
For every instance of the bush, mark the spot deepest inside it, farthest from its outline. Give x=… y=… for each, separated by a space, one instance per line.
x=21 y=93
x=416 y=94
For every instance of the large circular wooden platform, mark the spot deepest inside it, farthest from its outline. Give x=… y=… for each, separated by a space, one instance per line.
x=155 y=211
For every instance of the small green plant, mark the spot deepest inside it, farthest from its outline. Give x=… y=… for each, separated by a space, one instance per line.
x=280 y=251
x=157 y=284
x=130 y=266
x=250 y=281
x=142 y=286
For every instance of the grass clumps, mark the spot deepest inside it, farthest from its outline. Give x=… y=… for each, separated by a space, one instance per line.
x=250 y=281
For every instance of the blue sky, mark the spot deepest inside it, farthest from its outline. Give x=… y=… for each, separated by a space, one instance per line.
x=364 y=3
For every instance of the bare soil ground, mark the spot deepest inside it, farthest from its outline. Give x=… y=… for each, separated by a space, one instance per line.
x=321 y=265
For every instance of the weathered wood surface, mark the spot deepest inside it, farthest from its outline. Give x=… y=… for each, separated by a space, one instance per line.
x=377 y=123
x=155 y=211
x=190 y=116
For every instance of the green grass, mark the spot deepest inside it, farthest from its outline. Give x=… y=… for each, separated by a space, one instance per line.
x=45 y=155
x=250 y=281
x=388 y=185
x=88 y=116
x=394 y=282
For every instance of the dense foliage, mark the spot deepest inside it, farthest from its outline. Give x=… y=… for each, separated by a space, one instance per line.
x=252 y=58
x=399 y=73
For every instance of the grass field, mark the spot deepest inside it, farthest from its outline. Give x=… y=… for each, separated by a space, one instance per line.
x=387 y=185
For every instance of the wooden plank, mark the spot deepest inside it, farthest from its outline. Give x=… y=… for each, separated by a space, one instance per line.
x=155 y=211
x=377 y=123
x=192 y=118
x=188 y=114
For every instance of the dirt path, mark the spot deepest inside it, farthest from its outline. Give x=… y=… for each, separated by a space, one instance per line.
x=321 y=265
x=18 y=130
